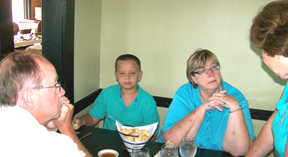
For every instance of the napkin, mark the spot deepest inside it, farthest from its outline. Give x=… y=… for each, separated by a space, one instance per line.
x=158 y=154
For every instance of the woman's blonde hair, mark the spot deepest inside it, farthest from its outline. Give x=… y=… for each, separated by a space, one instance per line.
x=198 y=60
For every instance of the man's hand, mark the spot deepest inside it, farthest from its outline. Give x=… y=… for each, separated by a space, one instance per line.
x=51 y=126
x=65 y=100
x=64 y=121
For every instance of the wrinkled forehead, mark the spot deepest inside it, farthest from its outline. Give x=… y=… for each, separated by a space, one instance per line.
x=47 y=69
x=205 y=62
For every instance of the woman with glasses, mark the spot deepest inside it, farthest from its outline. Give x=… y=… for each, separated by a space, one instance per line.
x=210 y=109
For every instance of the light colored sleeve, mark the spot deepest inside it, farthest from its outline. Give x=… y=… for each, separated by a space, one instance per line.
x=61 y=145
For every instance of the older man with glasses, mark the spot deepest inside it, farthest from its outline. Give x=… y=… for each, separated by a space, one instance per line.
x=209 y=109
x=32 y=103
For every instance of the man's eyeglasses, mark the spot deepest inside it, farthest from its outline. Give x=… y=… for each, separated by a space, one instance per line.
x=57 y=85
x=205 y=71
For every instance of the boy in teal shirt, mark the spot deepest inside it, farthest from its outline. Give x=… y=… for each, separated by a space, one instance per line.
x=126 y=102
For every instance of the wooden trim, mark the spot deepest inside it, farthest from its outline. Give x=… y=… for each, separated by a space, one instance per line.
x=58 y=40
x=86 y=101
x=260 y=114
x=162 y=102
x=6 y=28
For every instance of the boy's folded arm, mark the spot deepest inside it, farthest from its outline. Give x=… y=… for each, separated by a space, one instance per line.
x=153 y=138
x=88 y=120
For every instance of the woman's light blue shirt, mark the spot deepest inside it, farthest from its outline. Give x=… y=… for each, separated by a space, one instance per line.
x=212 y=130
x=280 y=124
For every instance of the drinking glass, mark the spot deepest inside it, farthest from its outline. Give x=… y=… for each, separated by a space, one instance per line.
x=168 y=150
x=188 y=146
x=140 y=152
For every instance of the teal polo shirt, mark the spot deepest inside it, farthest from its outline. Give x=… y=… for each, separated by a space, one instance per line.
x=212 y=131
x=280 y=124
x=110 y=105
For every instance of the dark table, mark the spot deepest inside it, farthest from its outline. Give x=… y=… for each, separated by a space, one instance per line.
x=108 y=139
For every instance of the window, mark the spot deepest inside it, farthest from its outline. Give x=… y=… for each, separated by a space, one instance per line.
x=17 y=10
x=26 y=30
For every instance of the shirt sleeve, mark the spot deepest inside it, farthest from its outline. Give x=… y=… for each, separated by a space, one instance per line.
x=179 y=108
x=99 y=107
x=245 y=107
x=246 y=112
x=61 y=145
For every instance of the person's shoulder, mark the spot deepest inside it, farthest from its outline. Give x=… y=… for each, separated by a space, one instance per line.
x=111 y=89
x=143 y=93
x=228 y=86
x=15 y=110
x=107 y=93
x=144 y=98
x=185 y=87
x=231 y=89
x=70 y=148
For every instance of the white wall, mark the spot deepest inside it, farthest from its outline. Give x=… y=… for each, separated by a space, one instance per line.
x=87 y=47
x=164 y=33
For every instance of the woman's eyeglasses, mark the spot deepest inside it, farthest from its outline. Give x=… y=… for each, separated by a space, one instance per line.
x=205 y=71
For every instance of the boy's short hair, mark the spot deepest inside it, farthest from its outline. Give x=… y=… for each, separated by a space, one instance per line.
x=126 y=57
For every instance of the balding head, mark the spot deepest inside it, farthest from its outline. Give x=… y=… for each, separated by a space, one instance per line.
x=17 y=70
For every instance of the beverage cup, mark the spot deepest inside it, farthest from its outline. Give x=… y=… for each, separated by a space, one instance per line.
x=168 y=150
x=108 y=152
x=188 y=146
x=140 y=152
